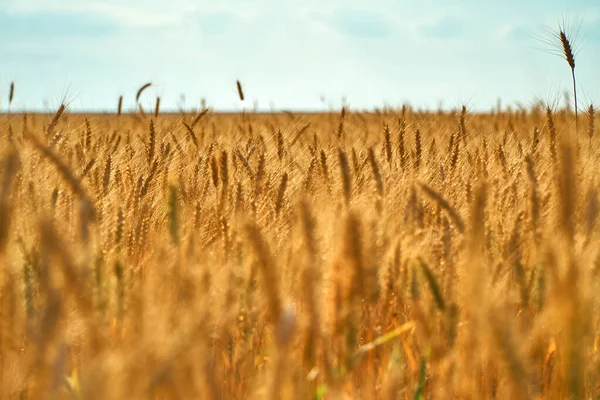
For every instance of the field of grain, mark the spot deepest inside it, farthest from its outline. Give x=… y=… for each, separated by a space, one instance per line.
x=349 y=255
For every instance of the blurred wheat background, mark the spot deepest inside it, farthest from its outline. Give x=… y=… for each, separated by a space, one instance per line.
x=387 y=255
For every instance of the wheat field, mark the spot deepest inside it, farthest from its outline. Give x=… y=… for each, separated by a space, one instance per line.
x=395 y=254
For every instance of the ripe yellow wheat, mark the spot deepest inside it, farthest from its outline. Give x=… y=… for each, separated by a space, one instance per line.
x=394 y=254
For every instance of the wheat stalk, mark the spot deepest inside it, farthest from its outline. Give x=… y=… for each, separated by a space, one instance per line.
x=267 y=267
x=376 y=173
x=591 y=115
x=59 y=113
x=107 y=170
x=191 y=134
x=157 y=107
x=570 y=57
x=151 y=147
x=173 y=215
x=387 y=143
x=281 y=194
x=11 y=165
x=199 y=117
x=141 y=90
x=444 y=204
x=120 y=106
x=418 y=149
x=11 y=93
x=239 y=90
x=562 y=41
x=345 y=174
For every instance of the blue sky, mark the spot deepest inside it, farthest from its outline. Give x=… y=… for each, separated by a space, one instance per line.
x=290 y=55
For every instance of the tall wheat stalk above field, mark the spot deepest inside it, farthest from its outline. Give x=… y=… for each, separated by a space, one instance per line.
x=240 y=90
x=563 y=43
x=11 y=93
x=120 y=106
x=141 y=90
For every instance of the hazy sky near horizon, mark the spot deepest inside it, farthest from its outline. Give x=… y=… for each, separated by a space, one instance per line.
x=303 y=54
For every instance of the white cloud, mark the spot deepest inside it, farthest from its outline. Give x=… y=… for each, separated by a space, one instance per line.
x=514 y=29
x=146 y=14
